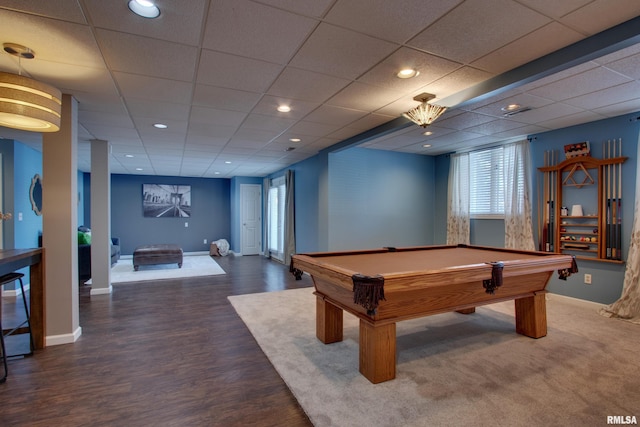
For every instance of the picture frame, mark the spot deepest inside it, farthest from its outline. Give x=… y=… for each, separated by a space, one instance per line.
x=166 y=201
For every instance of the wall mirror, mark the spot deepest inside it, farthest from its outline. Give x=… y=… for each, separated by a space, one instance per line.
x=35 y=194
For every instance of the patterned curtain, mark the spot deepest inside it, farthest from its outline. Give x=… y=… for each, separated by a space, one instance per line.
x=289 y=218
x=628 y=306
x=518 y=227
x=458 y=200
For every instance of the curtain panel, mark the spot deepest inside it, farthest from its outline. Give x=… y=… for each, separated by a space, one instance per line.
x=458 y=201
x=518 y=226
x=628 y=306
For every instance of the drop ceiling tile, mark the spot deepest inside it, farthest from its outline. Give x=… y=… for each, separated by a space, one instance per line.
x=373 y=17
x=551 y=37
x=306 y=85
x=619 y=108
x=606 y=97
x=554 y=8
x=580 y=84
x=235 y=72
x=215 y=116
x=109 y=133
x=464 y=120
x=546 y=113
x=335 y=115
x=314 y=8
x=618 y=55
x=158 y=110
x=253 y=30
x=211 y=131
x=360 y=96
x=600 y=15
x=67 y=10
x=116 y=120
x=151 y=57
x=179 y=22
x=570 y=120
x=340 y=52
x=151 y=88
x=262 y=136
x=268 y=123
x=464 y=34
x=225 y=99
x=312 y=129
x=430 y=67
x=52 y=40
x=629 y=66
x=460 y=79
x=268 y=106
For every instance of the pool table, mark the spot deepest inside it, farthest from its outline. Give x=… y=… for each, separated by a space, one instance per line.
x=384 y=286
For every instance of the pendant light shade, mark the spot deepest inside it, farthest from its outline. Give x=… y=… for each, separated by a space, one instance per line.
x=28 y=104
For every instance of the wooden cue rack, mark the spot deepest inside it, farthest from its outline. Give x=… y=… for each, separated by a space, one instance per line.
x=556 y=231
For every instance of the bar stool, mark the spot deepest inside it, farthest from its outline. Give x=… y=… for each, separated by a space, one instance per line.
x=5 y=280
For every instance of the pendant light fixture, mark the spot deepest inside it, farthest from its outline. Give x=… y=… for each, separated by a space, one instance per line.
x=424 y=114
x=25 y=103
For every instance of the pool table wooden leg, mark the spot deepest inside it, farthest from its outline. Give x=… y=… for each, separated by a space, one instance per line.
x=378 y=351
x=531 y=316
x=328 y=321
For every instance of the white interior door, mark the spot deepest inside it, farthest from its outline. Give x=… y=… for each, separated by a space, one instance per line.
x=251 y=219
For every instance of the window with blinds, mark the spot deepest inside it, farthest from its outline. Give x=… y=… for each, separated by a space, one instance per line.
x=275 y=209
x=487 y=183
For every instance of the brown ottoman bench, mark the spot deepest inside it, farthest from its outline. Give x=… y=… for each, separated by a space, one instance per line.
x=157 y=254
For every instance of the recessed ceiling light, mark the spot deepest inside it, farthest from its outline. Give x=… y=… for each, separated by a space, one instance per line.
x=128 y=155
x=511 y=107
x=228 y=162
x=284 y=108
x=160 y=126
x=426 y=145
x=295 y=139
x=139 y=169
x=427 y=133
x=407 y=73
x=144 y=8
x=216 y=173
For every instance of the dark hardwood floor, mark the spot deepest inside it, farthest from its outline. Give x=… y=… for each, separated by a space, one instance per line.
x=165 y=353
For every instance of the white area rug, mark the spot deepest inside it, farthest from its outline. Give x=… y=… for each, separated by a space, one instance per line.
x=192 y=266
x=455 y=369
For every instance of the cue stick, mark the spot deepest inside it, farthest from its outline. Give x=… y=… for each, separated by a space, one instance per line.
x=545 y=230
x=619 y=219
x=552 y=206
x=539 y=205
x=608 y=201
x=614 y=208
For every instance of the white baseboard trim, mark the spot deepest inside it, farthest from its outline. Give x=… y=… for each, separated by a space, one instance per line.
x=15 y=292
x=63 y=339
x=575 y=300
x=101 y=291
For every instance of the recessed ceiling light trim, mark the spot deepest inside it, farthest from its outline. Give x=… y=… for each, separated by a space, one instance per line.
x=160 y=126
x=284 y=108
x=144 y=8
x=407 y=73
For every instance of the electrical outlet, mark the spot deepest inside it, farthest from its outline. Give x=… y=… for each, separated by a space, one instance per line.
x=587 y=279
x=205 y=241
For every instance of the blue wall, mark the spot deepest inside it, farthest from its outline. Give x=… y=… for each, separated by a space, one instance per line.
x=380 y=198
x=210 y=216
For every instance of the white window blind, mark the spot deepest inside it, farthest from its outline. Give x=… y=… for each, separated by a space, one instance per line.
x=487 y=183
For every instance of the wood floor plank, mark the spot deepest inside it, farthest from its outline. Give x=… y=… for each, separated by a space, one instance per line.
x=163 y=353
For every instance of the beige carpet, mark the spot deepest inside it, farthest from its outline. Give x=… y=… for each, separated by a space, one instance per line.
x=455 y=369
x=193 y=265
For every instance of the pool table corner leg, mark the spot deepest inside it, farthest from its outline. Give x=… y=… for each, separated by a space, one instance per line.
x=377 y=351
x=531 y=315
x=329 y=321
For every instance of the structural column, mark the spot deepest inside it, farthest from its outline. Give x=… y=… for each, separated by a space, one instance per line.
x=59 y=226
x=100 y=218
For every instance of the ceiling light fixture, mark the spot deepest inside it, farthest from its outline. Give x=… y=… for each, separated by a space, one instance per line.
x=427 y=133
x=284 y=108
x=424 y=114
x=27 y=104
x=144 y=8
x=426 y=145
x=407 y=73
x=295 y=139
x=513 y=109
x=160 y=126
x=129 y=155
